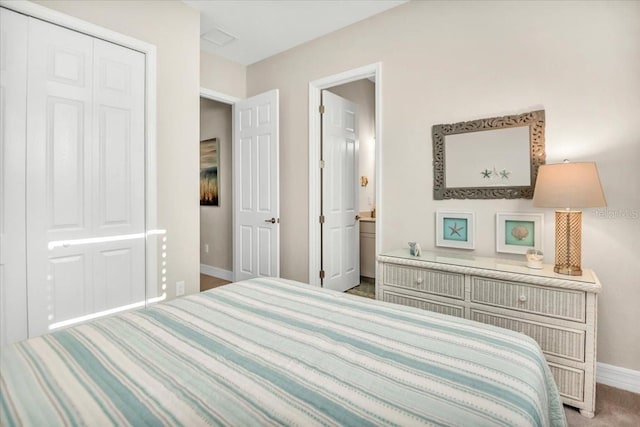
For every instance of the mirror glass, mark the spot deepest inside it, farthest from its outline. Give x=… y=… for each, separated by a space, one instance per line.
x=492 y=158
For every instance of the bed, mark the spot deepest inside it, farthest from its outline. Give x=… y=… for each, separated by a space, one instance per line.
x=278 y=352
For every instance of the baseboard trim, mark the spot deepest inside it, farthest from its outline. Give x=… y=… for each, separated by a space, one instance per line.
x=615 y=376
x=216 y=272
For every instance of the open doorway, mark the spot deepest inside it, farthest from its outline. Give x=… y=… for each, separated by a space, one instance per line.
x=240 y=228
x=216 y=240
x=361 y=87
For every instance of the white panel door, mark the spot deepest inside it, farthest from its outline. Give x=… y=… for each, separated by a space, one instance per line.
x=340 y=195
x=118 y=175
x=85 y=182
x=13 y=101
x=60 y=120
x=256 y=187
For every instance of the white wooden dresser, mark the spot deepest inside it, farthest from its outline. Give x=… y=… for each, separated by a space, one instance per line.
x=558 y=311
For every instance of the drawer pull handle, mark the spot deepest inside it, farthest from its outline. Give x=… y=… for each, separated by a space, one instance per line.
x=522 y=298
x=419 y=280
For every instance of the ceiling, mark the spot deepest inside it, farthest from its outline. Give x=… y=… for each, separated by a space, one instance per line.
x=247 y=31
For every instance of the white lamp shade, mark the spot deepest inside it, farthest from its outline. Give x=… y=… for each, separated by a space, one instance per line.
x=568 y=185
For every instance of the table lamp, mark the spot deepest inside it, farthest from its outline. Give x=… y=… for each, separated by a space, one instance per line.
x=568 y=186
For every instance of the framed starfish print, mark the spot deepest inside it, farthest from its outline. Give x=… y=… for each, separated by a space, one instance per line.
x=455 y=229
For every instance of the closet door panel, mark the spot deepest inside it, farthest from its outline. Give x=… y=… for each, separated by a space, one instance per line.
x=59 y=146
x=118 y=184
x=67 y=292
x=13 y=99
x=65 y=166
x=59 y=175
x=117 y=276
x=119 y=132
x=114 y=169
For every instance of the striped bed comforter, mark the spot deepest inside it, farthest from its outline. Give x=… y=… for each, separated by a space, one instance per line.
x=277 y=352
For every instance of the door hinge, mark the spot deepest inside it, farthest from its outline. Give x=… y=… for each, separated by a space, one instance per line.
x=321 y=274
x=321 y=219
x=321 y=164
x=321 y=109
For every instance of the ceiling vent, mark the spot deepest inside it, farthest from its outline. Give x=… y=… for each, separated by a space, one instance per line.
x=218 y=37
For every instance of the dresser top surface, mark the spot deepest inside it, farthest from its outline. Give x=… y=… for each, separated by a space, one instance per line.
x=494 y=264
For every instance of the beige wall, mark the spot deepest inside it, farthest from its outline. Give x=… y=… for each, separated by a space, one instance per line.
x=174 y=29
x=222 y=75
x=216 y=221
x=444 y=62
x=362 y=93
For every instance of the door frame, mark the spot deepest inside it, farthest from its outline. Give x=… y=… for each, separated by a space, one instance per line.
x=315 y=88
x=229 y=100
x=150 y=52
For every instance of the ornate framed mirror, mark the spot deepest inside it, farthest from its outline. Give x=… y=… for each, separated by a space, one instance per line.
x=495 y=158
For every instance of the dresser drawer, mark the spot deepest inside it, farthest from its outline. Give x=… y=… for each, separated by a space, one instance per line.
x=570 y=381
x=554 y=340
x=425 y=280
x=554 y=302
x=430 y=305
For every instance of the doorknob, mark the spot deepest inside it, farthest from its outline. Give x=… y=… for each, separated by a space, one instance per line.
x=272 y=220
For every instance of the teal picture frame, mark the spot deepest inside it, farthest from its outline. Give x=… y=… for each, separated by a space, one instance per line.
x=518 y=232
x=455 y=229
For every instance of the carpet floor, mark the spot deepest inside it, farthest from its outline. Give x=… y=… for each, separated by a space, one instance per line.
x=614 y=408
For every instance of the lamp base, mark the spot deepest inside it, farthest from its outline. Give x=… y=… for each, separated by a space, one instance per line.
x=568 y=242
x=568 y=270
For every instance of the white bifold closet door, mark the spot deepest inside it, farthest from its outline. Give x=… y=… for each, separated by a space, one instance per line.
x=84 y=169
